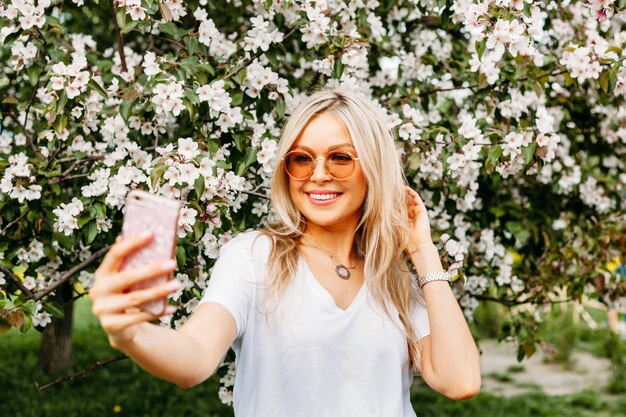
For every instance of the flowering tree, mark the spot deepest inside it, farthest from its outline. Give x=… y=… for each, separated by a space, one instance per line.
x=509 y=115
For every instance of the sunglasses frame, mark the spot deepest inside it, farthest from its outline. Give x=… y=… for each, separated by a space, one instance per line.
x=325 y=159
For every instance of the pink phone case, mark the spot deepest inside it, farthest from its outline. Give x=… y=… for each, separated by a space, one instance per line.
x=145 y=211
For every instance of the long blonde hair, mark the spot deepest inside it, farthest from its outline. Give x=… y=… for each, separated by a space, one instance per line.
x=382 y=232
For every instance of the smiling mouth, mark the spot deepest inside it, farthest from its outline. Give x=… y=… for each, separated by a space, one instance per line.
x=323 y=197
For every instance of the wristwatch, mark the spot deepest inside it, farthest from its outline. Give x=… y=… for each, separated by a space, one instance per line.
x=434 y=276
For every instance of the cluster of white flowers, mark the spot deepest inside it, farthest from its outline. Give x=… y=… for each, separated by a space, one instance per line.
x=28 y=13
x=516 y=35
x=258 y=76
x=133 y=8
x=168 y=97
x=261 y=35
x=70 y=78
x=17 y=181
x=594 y=196
x=186 y=220
x=225 y=393
x=22 y=54
x=581 y=64
x=67 y=216
x=100 y=184
x=455 y=251
x=267 y=155
x=318 y=28
x=217 y=97
x=41 y=318
x=33 y=254
x=355 y=58
x=208 y=34
x=150 y=64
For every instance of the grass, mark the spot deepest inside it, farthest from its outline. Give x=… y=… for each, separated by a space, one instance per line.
x=123 y=389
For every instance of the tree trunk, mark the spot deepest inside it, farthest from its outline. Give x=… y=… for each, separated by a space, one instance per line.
x=55 y=354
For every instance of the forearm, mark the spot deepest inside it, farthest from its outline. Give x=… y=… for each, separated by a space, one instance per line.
x=454 y=356
x=169 y=354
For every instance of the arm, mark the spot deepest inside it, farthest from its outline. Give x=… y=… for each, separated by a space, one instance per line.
x=188 y=356
x=185 y=357
x=450 y=359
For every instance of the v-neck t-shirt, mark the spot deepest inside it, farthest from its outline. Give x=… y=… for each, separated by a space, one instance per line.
x=308 y=357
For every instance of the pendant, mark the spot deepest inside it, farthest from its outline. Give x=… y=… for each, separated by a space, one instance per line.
x=342 y=271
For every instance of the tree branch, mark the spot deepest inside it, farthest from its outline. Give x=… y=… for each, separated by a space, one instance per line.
x=16 y=281
x=69 y=274
x=118 y=34
x=80 y=374
x=13 y=222
x=256 y=194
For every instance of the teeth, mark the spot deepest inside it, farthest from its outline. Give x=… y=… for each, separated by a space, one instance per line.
x=323 y=196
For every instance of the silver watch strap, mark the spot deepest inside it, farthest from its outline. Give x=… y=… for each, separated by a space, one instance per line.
x=434 y=276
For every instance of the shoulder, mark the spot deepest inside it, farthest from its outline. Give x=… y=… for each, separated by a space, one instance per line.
x=252 y=244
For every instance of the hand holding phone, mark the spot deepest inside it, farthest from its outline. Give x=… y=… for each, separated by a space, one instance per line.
x=125 y=280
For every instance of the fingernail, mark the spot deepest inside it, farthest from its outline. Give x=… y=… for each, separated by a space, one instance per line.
x=170 y=310
x=145 y=234
x=168 y=265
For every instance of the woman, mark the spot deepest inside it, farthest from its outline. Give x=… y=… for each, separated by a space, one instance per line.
x=322 y=313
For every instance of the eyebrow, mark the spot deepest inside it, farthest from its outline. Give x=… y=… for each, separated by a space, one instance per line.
x=332 y=148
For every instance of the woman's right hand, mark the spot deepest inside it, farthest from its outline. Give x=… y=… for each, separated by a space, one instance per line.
x=115 y=307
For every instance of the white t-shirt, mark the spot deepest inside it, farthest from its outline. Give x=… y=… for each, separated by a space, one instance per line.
x=309 y=358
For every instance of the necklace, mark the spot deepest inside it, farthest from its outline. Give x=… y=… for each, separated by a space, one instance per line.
x=341 y=270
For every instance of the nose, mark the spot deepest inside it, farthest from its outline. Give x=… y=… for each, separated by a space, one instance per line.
x=319 y=172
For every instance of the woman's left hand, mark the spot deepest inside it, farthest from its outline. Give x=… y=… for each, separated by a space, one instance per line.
x=418 y=218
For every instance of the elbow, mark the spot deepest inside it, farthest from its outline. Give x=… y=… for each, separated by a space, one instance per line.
x=191 y=381
x=465 y=391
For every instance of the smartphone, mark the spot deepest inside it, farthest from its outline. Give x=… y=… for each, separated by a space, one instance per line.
x=146 y=211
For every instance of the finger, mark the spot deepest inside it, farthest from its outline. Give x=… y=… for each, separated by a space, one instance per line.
x=119 y=303
x=114 y=323
x=132 y=276
x=121 y=249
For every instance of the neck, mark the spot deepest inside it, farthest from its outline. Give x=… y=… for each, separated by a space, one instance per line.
x=337 y=241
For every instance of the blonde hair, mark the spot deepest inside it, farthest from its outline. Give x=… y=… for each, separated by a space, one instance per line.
x=382 y=232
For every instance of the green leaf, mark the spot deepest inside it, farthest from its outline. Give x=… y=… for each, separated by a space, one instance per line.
x=61 y=101
x=192 y=44
x=613 y=78
x=198 y=186
x=54 y=309
x=237 y=99
x=206 y=68
x=121 y=17
x=83 y=220
x=181 y=256
x=604 y=81
x=480 y=47
x=280 y=107
x=29 y=306
x=529 y=152
x=33 y=74
x=125 y=109
x=527 y=10
x=60 y=123
x=197 y=230
x=245 y=164
x=156 y=174
x=90 y=231
x=494 y=153
x=239 y=77
x=271 y=56
x=338 y=68
x=94 y=85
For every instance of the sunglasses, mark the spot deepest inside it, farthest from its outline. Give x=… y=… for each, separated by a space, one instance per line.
x=300 y=165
